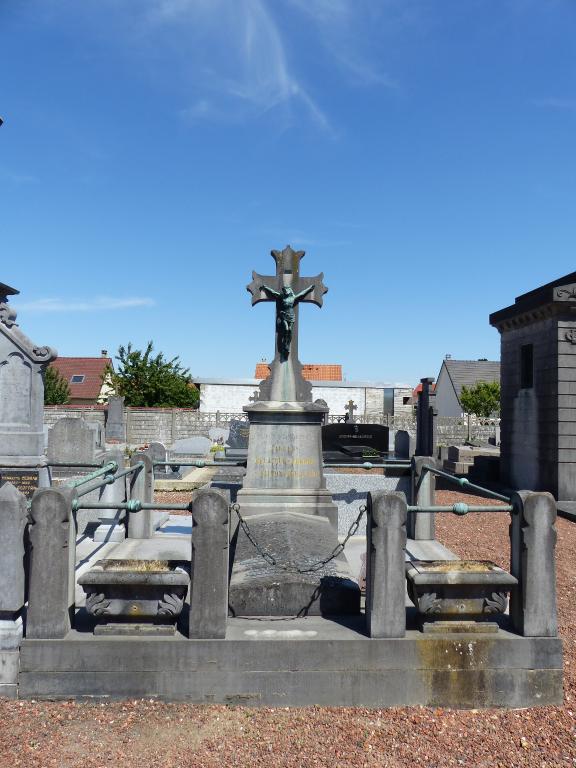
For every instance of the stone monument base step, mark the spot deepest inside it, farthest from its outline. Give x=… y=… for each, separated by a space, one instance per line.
x=259 y=587
x=299 y=662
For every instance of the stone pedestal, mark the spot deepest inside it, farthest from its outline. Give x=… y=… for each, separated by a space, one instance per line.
x=291 y=516
x=284 y=469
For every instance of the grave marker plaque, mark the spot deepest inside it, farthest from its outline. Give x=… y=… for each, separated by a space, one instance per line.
x=24 y=480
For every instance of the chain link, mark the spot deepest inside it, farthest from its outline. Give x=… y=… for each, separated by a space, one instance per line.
x=293 y=567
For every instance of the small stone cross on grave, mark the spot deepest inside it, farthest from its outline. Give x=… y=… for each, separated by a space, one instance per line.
x=287 y=289
x=350 y=408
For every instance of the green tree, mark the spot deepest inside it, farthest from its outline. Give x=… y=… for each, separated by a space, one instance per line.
x=147 y=380
x=482 y=400
x=56 y=389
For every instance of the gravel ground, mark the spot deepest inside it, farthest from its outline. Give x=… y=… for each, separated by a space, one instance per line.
x=143 y=734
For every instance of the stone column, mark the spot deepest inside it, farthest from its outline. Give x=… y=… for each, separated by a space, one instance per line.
x=209 y=568
x=424 y=424
x=385 y=570
x=13 y=519
x=52 y=562
x=111 y=528
x=142 y=524
x=532 y=562
x=421 y=524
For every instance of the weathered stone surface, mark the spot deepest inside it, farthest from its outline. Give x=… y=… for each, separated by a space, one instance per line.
x=385 y=544
x=71 y=440
x=115 y=429
x=142 y=524
x=302 y=662
x=210 y=564
x=52 y=562
x=532 y=562
x=421 y=524
x=13 y=519
x=295 y=541
x=22 y=366
x=190 y=446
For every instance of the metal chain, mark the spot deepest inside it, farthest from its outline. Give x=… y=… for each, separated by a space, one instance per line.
x=293 y=567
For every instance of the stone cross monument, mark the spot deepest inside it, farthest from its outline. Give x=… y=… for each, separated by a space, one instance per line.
x=287 y=289
x=284 y=502
x=350 y=408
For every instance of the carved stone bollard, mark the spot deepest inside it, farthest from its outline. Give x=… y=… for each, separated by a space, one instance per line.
x=421 y=524
x=532 y=562
x=13 y=519
x=112 y=526
x=385 y=570
x=209 y=570
x=52 y=562
x=141 y=524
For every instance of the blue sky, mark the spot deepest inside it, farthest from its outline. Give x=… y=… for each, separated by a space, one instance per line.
x=422 y=152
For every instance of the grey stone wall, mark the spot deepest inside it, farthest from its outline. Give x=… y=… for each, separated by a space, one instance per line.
x=529 y=417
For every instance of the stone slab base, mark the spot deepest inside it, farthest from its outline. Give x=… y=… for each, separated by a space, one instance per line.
x=303 y=662
x=9 y=662
x=567 y=509
x=259 y=588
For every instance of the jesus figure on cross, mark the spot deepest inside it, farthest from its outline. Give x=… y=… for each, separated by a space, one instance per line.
x=286 y=300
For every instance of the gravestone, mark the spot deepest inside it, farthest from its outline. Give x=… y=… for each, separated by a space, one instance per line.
x=191 y=446
x=350 y=443
x=284 y=503
x=115 y=425
x=237 y=443
x=218 y=434
x=71 y=439
x=158 y=452
x=22 y=367
x=403 y=444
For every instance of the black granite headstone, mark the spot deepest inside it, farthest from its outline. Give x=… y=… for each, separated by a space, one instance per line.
x=239 y=433
x=354 y=443
x=25 y=480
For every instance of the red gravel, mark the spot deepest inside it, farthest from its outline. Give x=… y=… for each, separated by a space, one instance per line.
x=146 y=734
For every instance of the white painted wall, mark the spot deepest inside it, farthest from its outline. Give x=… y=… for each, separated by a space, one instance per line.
x=446 y=401
x=227 y=398
x=337 y=397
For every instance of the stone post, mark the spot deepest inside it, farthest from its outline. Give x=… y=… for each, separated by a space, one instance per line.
x=141 y=524
x=532 y=562
x=110 y=528
x=424 y=421
x=421 y=524
x=209 y=567
x=52 y=562
x=13 y=519
x=385 y=570
x=115 y=427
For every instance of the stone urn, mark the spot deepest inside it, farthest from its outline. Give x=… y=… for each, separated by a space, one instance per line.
x=136 y=596
x=461 y=590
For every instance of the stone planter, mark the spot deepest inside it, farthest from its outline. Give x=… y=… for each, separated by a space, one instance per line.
x=136 y=596
x=461 y=590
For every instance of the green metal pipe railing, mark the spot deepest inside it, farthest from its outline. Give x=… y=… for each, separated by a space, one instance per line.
x=200 y=463
x=370 y=465
x=133 y=505
x=460 y=508
x=73 y=464
x=109 y=468
x=108 y=479
x=464 y=483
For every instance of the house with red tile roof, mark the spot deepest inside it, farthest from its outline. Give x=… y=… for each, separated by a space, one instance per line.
x=86 y=378
x=310 y=371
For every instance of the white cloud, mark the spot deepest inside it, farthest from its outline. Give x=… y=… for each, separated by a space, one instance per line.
x=97 y=304
x=239 y=59
x=568 y=105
